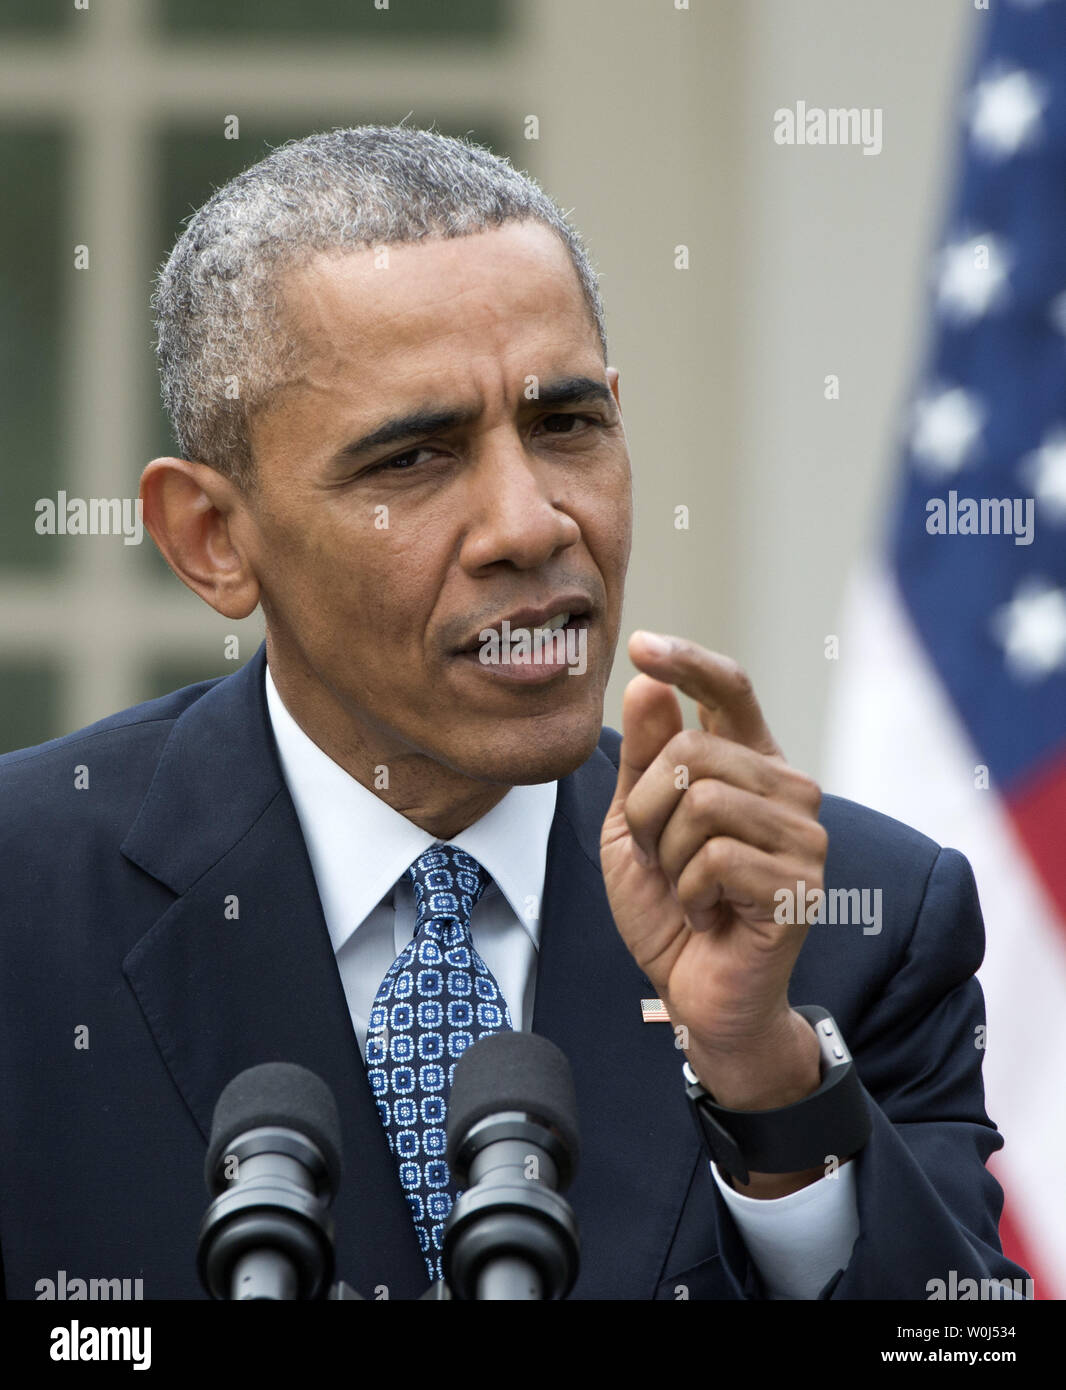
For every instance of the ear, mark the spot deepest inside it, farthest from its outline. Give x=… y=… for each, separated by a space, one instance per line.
x=612 y=382
x=200 y=522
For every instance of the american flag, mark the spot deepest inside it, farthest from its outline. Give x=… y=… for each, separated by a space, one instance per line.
x=950 y=707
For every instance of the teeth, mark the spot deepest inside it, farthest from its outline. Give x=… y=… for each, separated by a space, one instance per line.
x=551 y=625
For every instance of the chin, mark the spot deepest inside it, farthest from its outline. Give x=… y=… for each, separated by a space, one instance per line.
x=543 y=755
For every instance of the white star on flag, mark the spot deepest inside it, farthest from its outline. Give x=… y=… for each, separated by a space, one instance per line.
x=1032 y=630
x=946 y=426
x=1044 y=470
x=1006 y=109
x=972 y=276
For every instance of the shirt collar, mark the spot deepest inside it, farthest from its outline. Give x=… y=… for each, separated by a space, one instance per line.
x=359 y=846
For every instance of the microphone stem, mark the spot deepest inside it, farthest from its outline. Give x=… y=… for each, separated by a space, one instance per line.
x=509 y=1278
x=264 y=1274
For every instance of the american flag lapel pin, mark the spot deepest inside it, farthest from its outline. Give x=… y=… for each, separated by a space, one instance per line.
x=653 y=1011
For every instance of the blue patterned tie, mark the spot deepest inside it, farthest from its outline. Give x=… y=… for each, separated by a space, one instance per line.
x=437 y=999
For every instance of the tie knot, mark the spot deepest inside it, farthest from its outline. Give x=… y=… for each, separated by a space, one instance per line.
x=447 y=882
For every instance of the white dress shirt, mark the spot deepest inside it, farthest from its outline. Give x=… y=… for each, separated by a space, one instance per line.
x=360 y=850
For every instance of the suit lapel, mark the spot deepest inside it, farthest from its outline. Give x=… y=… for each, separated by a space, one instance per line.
x=638 y=1143
x=240 y=969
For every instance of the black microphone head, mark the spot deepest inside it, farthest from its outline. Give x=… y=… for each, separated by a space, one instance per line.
x=513 y=1071
x=276 y=1095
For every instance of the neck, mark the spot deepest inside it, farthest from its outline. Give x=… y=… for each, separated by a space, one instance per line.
x=441 y=812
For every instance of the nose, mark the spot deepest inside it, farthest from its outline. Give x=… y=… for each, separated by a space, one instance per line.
x=514 y=508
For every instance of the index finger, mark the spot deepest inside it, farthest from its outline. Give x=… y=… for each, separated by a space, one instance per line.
x=721 y=688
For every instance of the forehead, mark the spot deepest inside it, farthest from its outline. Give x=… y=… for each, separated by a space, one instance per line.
x=507 y=293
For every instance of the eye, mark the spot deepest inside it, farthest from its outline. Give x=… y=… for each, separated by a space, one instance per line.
x=565 y=415
x=401 y=462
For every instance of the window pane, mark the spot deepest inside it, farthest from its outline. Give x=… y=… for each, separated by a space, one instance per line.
x=38 y=16
x=35 y=268
x=29 y=704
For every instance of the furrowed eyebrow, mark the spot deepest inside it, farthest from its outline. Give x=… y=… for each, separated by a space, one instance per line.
x=573 y=390
x=419 y=424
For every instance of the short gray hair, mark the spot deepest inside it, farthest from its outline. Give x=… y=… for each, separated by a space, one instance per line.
x=221 y=345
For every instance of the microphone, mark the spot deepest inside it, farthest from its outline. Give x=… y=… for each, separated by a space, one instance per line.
x=513 y=1144
x=273 y=1166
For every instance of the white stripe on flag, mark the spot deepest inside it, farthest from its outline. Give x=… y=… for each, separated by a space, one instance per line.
x=895 y=743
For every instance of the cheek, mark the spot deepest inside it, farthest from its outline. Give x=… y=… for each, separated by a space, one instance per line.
x=330 y=575
x=385 y=579
x=608 y=528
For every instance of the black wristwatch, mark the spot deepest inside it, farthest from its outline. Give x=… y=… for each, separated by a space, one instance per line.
x=833 y=1122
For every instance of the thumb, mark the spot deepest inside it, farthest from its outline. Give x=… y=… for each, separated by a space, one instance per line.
x=651 y=716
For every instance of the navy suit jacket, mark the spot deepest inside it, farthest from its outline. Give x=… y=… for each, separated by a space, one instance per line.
x=120 y=847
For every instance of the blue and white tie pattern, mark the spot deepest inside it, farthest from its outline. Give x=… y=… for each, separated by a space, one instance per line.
x=437 y=999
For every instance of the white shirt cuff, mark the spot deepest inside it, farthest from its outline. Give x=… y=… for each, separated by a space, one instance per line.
x=798 y=1242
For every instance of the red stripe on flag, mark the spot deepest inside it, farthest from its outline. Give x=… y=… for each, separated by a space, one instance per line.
x=1038 y=810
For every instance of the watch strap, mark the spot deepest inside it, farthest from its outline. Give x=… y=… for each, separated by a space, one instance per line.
x=833 y=1121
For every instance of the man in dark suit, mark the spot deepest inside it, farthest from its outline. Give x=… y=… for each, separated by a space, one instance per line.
x=402 y=439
